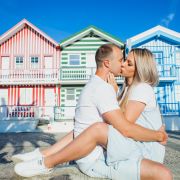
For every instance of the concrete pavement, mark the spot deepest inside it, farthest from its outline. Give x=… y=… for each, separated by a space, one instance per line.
x=12 y=143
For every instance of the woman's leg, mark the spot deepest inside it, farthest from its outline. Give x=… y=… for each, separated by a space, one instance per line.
x=81 y=146
x=58 y=145
x=154 y=170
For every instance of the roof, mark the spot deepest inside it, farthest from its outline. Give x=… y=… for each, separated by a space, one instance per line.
x=158 y=31
x=20 y=26
x=89 y=30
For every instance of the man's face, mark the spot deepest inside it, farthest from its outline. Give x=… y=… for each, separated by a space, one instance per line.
x=116 y=61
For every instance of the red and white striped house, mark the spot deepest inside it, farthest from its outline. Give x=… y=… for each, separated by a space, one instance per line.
x=29 y=72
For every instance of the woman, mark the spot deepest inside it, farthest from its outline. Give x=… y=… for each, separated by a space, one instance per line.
x=140 y=72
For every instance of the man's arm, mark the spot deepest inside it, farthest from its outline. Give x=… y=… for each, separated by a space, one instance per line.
x=131 y=130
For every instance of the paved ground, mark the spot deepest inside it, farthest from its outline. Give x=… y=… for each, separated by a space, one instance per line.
x=12 y=143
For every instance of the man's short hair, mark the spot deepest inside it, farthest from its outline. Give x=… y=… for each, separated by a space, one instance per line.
x=104 y=52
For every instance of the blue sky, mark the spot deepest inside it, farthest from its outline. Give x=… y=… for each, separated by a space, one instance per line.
x=61 y=18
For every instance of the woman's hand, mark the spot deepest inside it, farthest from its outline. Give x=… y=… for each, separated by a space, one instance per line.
x=163 y=131
x=111 y=80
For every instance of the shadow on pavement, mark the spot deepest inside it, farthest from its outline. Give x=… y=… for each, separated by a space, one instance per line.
x=22 y=142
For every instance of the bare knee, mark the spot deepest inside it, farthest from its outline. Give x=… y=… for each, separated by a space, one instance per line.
x=154 y=170
x=100 y=127
x=100 y=131
x=166 y=173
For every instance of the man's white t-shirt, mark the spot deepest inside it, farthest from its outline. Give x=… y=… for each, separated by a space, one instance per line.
x=96 y=98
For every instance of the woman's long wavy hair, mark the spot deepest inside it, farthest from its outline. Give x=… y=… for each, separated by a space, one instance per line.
x=145 y=71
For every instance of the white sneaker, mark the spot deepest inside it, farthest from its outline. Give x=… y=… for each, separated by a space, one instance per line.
x=32 y=168
x=36 y=154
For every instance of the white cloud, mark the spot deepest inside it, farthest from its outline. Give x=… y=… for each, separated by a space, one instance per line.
x=166 y=21
x=171 y=16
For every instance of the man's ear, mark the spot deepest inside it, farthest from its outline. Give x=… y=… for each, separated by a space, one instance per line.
x=106 y=63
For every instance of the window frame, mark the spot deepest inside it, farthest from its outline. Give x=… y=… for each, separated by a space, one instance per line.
x=70 y=60
x=18 y=63
x=34 y=65
x=70 y=94
x=157 y=59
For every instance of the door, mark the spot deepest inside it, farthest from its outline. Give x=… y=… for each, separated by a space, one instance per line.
x=26 y=95
x=48 y=62
x=69 y=97
x=90 y=64
x=178 y=58
x=49 y=102
x=3 y=103
x=48 y=66
x=5 y=65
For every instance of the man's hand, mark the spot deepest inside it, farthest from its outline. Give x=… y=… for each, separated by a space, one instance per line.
x=162 y=130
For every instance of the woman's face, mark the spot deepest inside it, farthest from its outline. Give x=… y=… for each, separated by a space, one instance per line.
x=128 y=66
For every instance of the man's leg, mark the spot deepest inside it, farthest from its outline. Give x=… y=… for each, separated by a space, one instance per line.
x=80 y=146
x=151 y=170
x=37 y=153
x=58 y=145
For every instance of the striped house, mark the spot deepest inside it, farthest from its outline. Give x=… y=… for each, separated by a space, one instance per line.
x=29 y=73
x=78 y=64
x=165 y=45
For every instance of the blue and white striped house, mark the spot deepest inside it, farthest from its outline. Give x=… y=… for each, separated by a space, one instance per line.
x=78 y=64
x=165 y=45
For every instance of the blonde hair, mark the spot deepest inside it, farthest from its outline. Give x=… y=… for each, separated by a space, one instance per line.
x=145 y=71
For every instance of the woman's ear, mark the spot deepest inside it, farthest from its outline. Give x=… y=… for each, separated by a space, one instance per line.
x=106 y=63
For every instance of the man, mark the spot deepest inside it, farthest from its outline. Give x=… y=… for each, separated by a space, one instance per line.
x=98 y=103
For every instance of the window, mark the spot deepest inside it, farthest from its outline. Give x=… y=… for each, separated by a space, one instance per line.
x=178 y=57
x=70 y=94
x=5 y=63
x=177 y=88
x=158 y=57
x=160 y=94
x=34 y=62
x=19 y=62
x=74 y=59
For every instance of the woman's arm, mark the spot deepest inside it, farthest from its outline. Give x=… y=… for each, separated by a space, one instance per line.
x=132 y=130
x=133 y=110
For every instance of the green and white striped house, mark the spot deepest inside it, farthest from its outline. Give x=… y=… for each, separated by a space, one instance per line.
x=78 y=64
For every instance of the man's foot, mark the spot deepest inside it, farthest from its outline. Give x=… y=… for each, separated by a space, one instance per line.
x=32 y=168
x=36 y=154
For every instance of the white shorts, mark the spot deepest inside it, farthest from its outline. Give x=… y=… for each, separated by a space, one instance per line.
x=122 y=170
x=120 y=148
x=119 y=163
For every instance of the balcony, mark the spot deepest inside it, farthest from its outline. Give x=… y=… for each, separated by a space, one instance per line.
x=167 y=72
x=61 y=113
x=41 y=113
x=169 y=109
x=71 y=75
x=79 y=75
x=8 y=112
x=166 y=109
x=33 y=76
x=178 y=72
